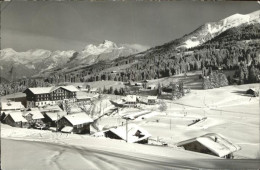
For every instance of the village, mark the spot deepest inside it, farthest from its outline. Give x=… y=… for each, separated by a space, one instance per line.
x=136 y=117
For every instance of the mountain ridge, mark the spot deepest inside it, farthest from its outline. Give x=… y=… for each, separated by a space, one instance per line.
x=109 y=51
x=35 y=61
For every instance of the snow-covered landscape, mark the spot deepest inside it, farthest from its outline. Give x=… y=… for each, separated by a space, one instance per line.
x=170 y=85
x=235 y=117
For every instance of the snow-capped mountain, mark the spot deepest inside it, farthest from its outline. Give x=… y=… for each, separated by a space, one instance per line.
x=37 y=61
x=107 y=50
x=213 y=29
x=105 y=47
x=31 y=62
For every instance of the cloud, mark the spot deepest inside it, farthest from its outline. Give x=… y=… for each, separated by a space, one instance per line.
x=138 y=47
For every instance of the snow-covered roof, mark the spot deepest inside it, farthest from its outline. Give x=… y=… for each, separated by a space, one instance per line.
x=36 y=114
x=67 y=129
x=55 y=115
x=75 y=110
x=130 y=98
x=17 y=117
x=70 y=88
x=80 y=118
x=221 y=147
x=41 y=90
x=152 y=97
x=131 y=134
x=93 y=89
x=84 y=95
x=46 y=90
x=87 y=106
x=215 y=143
x=48 y=108
x=11 y=105
x=34 y=108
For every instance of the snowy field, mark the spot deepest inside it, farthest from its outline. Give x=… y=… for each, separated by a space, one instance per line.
x=228 y=111
x=31 y=149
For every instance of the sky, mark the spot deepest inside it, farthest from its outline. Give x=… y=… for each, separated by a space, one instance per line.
x=73 y=25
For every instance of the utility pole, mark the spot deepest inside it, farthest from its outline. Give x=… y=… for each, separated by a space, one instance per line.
x=57 y=122
x=126 y=130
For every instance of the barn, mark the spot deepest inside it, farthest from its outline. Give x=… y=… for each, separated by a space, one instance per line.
x=135 y=134
x=16 y=119
x=212 y=144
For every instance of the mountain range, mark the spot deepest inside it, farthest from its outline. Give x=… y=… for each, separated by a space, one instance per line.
x=32 y=62
x=40 y=62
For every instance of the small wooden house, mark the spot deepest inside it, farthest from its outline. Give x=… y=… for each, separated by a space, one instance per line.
x=151 y=100
x=212 y=144
x=132 y=134
x=16 y=119
x=79 y=123
x=33 y=116
x=51 y=118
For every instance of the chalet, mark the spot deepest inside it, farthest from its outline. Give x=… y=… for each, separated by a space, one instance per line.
x=33 y=116
x=152 y=87
x=9 y=106
x=151 y=100
x=134 y=134
x=253 y=92
x=16 y=119
x=93 y=90
x=130 y=100
x=51 y=118
x=86 y=97
x=212 y=144
x=83 y=98
x=41 y=96
x=75 y=123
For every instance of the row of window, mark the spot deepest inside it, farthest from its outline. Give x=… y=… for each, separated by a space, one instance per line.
x=47 y=95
